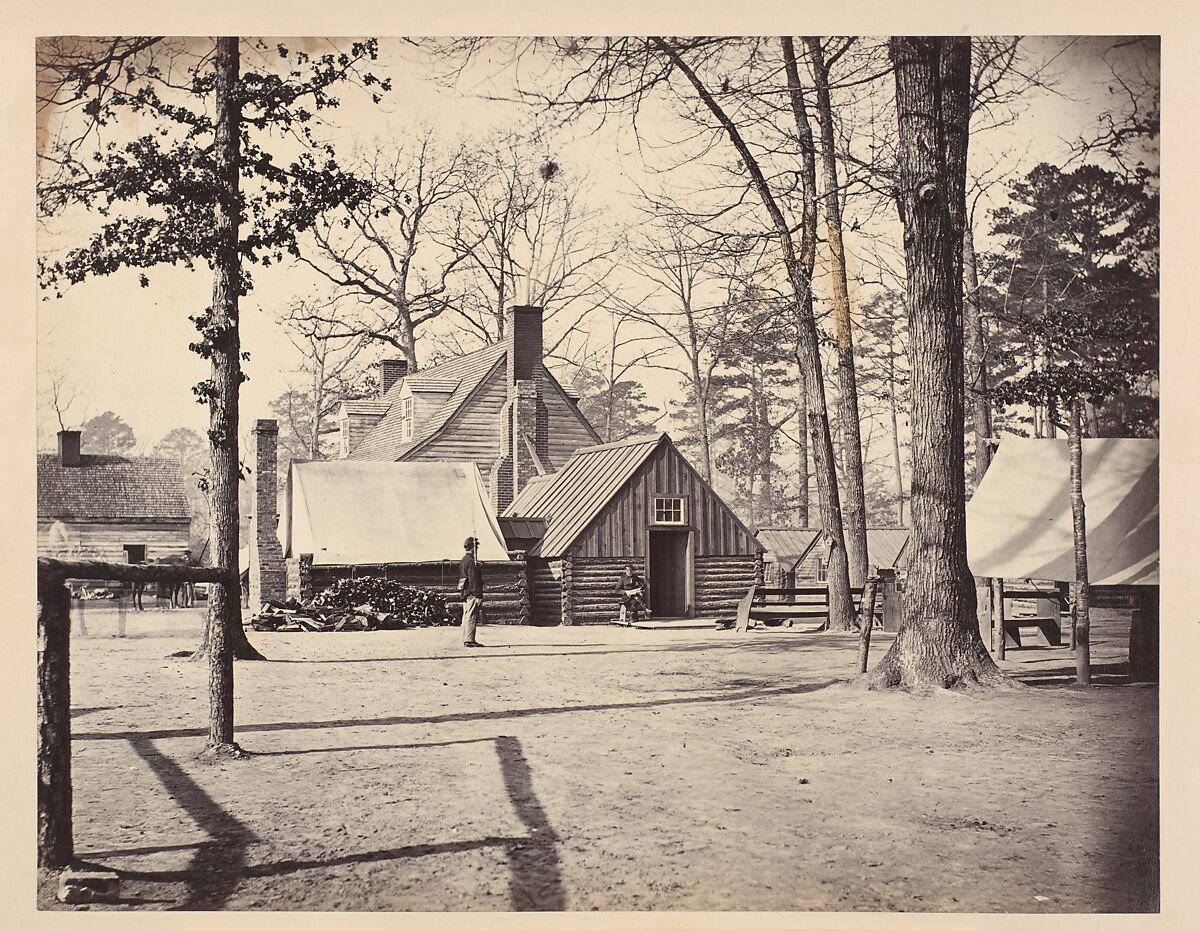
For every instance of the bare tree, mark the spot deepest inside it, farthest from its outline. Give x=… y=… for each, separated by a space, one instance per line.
x=527 y=235
x=330 y=368
x=370 y=251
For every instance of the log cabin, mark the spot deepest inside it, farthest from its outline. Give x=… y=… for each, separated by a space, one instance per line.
x=635 y=502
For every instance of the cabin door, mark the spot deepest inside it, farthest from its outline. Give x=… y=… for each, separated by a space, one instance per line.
x=667 y=573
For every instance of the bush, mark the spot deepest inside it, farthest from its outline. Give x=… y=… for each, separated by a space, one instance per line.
x=412 y=605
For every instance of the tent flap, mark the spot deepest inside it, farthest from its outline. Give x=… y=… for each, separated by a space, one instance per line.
x=1019 y=522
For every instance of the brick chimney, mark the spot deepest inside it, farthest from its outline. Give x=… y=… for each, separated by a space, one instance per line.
x=68 y=448
x=524 y=434
x=268 y=575
x=390 y=372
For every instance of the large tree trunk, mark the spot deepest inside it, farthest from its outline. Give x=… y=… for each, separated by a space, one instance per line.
x=854 y=515
x=224 y=613
x=226 y=369
x=938 y=645
x=1083 y=655
x=977 y=370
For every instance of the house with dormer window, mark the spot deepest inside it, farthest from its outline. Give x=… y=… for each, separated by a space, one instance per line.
x=574 y=510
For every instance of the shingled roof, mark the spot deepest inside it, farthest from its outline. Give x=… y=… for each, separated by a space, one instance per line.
x=465 y=373
x=110 y=488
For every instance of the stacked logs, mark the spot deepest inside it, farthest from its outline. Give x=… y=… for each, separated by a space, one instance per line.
x=545 y=591
x=721 y=582
x=507 y=597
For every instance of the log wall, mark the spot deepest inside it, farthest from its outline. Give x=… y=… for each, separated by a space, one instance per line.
x=594 y=595
x=545 y=577
x=721 y=582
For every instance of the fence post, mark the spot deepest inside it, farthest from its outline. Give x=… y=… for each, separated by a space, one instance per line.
x=998 y=617
x=867 y=621
x=56 y=847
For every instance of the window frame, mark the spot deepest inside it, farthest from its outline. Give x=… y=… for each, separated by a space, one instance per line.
x=407 y=411
x=682 y=501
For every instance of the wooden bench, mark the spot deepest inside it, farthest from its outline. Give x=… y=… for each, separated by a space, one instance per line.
x=777 y=606
x=1049 y=628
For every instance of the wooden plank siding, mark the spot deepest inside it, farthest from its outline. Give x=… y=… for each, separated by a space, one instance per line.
x=473 y=433
x=568 y=430
x=106 y=541
x=620 y=529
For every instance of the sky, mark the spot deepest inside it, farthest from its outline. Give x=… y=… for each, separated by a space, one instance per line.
x=124 y=348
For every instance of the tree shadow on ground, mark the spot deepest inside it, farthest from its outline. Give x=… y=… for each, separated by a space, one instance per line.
x=465 y=716
x=772 y=641
x=219 y=865
x=1058 y=676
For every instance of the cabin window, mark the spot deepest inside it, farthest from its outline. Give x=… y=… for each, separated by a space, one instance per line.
x=670 y=510
x=822 y=574
x=408 y=418
x=135 y=552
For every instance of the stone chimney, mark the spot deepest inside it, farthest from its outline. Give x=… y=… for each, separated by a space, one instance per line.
x=390 y=372
x=268 y=575
x=68 y=448
x=524 y=433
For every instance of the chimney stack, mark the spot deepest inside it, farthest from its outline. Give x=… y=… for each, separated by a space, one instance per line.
x=523 y=340
x=390 y=372
x=68 y=448
x=268 y=575
x=524 y=434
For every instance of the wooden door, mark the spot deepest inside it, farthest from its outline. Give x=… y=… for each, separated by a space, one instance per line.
x=667 y=575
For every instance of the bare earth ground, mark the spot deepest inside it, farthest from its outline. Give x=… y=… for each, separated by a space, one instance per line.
x=604 y=768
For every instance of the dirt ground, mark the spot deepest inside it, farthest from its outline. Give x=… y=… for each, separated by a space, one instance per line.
x=600 y=768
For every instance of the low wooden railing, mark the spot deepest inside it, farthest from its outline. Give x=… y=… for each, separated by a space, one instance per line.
x=56 y=845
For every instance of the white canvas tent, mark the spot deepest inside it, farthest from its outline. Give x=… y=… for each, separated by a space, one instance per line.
x=1019 y=523
x=352 y=512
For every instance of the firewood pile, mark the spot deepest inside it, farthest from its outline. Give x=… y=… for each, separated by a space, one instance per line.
x=356 y=604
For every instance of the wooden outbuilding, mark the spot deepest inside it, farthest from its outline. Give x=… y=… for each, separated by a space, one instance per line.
x=636 y=502
x=124 y=509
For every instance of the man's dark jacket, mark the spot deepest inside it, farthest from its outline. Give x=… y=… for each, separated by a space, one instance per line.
x=469 y=570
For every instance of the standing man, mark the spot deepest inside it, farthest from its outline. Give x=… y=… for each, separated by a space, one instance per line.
x=471 y=584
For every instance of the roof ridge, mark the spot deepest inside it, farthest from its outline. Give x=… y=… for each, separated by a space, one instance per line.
x=644 y=438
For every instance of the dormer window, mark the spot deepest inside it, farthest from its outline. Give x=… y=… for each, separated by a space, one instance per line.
x=407 y=411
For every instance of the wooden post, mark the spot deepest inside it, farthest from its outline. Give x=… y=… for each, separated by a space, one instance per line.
x=1143 y=636
x=56 y=846
x=998 y=619
x=120 y=617
x=867 y=621
x=983 y=609
x=82 y=614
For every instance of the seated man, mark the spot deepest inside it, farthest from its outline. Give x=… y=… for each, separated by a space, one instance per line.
x=633 y=597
